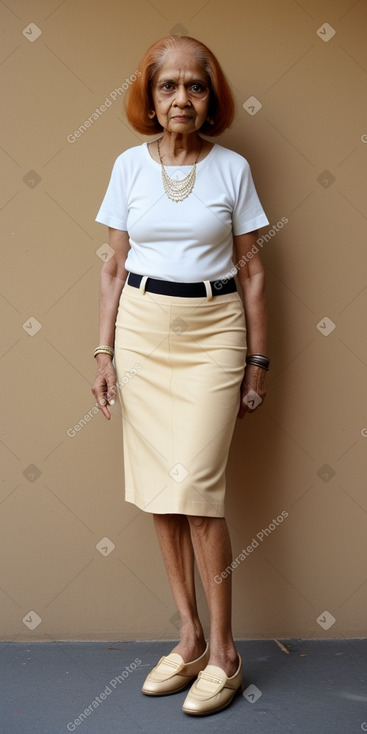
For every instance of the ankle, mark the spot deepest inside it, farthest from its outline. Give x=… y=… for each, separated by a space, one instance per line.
x=223 y=650
x=191 y=631
x=190 y=650
x=194 y=639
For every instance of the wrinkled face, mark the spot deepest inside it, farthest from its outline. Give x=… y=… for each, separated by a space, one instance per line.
x=181 y=93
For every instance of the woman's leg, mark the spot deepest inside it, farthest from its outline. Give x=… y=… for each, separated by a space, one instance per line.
x=174 y=537
x=212 y=546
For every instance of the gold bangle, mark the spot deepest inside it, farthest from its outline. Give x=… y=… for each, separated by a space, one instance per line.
x=104 y=346
x=104 y=349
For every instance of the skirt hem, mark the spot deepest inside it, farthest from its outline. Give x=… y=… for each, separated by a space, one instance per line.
x=202 y=509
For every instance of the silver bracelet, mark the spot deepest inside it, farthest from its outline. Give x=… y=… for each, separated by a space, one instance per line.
x=259 y=360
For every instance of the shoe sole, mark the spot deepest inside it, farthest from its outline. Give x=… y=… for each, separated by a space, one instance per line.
x=214 y=711
x=170 y=693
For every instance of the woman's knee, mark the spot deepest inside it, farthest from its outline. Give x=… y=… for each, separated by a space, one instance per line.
x=170 y=523
x=200 y=524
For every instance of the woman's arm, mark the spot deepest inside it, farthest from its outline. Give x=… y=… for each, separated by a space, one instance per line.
x=251 y=276
x=113 y=277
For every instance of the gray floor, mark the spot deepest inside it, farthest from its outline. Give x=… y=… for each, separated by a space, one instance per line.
x=318 y=687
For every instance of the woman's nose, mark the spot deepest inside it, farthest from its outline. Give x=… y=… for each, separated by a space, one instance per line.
x=181 y=96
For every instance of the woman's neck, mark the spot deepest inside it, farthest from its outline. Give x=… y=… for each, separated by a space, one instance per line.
x=176 y=148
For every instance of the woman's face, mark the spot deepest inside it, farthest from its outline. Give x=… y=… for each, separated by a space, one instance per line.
x=181 y=92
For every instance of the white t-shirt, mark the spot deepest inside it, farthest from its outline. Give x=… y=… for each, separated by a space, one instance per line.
x=189 y=240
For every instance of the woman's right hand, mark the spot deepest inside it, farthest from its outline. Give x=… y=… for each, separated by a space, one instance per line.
x=104 y=385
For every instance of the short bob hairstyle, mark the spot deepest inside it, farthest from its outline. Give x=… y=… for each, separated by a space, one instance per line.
x=139 y=102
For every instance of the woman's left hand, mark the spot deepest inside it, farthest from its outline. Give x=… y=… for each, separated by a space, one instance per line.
x=252 y=389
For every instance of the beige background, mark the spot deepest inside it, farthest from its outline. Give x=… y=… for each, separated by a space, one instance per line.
x=303 y=453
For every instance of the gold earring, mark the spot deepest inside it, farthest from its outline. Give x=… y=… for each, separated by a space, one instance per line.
x=151 y=114
x=210 y=121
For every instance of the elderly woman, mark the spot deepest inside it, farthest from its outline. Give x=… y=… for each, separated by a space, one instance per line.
x=183 y=215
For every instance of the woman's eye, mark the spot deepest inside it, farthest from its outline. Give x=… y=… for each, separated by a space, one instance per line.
x=170 y=87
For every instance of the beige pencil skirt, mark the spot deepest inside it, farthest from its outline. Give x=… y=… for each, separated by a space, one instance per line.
x=179 y=364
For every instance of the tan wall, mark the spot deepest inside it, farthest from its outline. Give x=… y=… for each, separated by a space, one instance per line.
x=304 y=452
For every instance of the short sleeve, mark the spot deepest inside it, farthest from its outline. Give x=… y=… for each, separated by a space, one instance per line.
x=248 y=213
x=113 y=210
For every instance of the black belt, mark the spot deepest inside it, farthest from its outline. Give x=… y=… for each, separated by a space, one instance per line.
x=187 y=290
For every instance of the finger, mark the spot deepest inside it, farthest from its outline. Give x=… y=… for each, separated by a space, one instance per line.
x=99 y=392
x=102 y=405
x=111 y=393
x=243 y=407
x=101 y=400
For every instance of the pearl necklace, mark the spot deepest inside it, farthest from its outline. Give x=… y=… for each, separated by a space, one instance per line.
x=178 y=190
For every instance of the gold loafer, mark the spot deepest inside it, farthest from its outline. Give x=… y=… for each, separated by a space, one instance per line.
x=213 y=690
x=172 y=674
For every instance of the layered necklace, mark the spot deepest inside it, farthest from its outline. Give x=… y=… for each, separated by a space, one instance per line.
x=177 y=190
